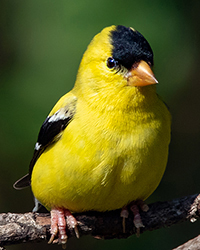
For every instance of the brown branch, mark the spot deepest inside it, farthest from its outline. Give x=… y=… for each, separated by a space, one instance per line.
x=18 y=228
x=193 y=244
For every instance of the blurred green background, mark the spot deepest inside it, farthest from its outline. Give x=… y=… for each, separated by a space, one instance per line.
x=41 y=45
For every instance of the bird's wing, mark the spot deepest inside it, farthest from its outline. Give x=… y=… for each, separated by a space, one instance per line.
x=50 y=132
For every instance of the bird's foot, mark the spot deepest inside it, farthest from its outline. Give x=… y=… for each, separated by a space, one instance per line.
x=58 y=225
x=134 y=207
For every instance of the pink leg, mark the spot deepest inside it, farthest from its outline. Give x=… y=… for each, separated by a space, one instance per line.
x=58 y=224
x=137 y=218
x=124 y=214
x=134 y=207
x=72 y=222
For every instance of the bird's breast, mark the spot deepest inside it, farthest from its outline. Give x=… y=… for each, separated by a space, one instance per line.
x=102 y=162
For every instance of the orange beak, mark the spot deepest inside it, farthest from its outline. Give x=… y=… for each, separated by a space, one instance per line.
x=141 y=75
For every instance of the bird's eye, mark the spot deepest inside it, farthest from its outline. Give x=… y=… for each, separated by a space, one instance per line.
x=111 y=63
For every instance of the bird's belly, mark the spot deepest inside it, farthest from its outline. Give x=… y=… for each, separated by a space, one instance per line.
x=102 y=176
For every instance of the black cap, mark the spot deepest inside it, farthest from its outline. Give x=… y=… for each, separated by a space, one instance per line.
x=129 y=47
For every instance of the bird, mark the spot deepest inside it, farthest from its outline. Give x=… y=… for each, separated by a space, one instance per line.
x=104 y=145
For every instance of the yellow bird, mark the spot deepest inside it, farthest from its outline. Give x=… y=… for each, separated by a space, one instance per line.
x=105 y=143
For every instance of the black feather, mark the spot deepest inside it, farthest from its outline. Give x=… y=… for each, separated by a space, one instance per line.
x=129 y=47
x=50 y=129
x=22 y=182
x=50 y=132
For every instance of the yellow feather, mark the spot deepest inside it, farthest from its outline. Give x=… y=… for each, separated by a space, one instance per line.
x=115 y=148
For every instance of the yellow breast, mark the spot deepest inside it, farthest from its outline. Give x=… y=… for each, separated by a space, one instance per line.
x=104 y=160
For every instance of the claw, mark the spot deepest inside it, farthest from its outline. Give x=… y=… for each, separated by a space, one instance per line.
x=134 y=207
x=124 y=214
x=142 y=205
x=76 y=232
x=137 y=218
x=72 y=222
x=58 y=225
x=51 y=239
x=54 y=225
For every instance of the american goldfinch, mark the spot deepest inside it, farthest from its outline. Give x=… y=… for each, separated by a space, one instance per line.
x=105 y=143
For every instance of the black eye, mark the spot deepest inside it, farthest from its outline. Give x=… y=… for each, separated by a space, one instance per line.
x=111 y=63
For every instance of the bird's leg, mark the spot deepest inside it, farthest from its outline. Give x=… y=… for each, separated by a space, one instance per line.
x=134 y=207
x=124 y=214
x=58 y=224
x=72 y=222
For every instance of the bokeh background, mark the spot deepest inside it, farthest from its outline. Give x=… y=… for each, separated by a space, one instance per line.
x=41 y=45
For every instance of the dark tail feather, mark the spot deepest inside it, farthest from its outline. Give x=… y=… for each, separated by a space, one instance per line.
x=22 y=182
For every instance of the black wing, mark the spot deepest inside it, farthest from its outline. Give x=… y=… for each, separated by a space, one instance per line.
x=50 y=132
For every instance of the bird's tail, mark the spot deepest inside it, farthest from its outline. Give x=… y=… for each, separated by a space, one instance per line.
x=22 y=182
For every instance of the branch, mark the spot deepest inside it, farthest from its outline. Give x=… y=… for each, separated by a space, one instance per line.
x=18 y=228
x=193 y=244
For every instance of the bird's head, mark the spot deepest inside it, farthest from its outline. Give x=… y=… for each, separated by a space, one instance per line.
x=117 y=57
